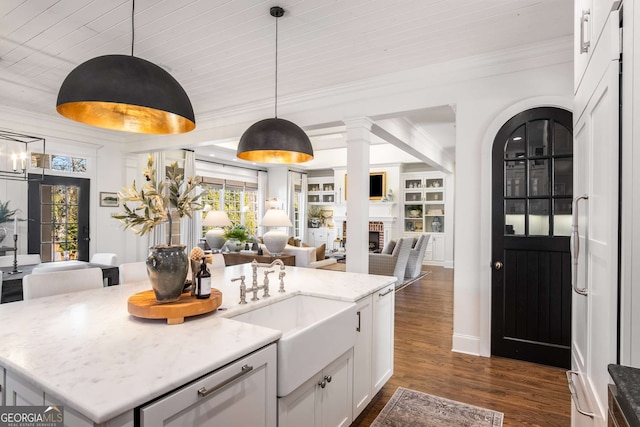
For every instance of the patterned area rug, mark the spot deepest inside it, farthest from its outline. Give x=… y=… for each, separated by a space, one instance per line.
x=412 y=408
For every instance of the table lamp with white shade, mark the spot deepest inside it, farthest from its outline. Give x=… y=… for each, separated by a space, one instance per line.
x=275 y=240
x=215 y=237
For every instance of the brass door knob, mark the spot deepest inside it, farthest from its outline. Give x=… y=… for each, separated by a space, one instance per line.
x=497 y=265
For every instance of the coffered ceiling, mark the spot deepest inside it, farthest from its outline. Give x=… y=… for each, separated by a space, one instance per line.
x=222 y=51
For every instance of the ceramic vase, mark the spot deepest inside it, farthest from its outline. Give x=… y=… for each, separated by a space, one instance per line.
x=235 y=245
x=167 y=268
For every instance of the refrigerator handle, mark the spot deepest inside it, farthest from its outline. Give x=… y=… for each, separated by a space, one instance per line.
x=574 y=395
x=575 y=245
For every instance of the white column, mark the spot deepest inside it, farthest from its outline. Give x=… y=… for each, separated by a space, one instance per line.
x=357 y=191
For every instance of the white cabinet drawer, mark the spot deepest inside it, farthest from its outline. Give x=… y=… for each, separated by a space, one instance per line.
x=242 y=393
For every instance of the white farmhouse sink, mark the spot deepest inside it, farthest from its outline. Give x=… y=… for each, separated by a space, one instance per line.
x=315 y=331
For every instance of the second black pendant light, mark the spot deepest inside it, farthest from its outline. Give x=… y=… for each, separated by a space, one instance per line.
x=275 y=140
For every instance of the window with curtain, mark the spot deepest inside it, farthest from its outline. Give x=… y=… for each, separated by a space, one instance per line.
x=238 y=199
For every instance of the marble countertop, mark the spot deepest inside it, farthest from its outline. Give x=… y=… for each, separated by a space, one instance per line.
x=627 y=381
x=88 y=352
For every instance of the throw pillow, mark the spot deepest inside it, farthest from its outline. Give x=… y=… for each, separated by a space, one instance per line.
x=388 y=248
x=320 y=250
x=291 y=241
x=304 y=245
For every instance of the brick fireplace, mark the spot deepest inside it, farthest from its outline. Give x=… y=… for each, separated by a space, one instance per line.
x=377 y=226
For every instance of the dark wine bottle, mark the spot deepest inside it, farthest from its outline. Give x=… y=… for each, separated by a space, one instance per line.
x=203 y=278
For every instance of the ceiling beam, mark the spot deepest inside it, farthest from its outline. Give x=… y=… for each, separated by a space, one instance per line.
x=405 y=136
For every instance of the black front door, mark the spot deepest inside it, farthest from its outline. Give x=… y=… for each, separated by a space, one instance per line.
x=59 y=218
x=532 y=187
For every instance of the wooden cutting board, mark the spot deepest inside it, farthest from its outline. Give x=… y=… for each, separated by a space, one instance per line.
x=144 y=305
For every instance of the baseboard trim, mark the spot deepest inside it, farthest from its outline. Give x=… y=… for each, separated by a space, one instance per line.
x=466 y=344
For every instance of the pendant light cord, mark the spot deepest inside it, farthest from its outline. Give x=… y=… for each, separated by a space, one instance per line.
x=133 y=30
x=276 y=97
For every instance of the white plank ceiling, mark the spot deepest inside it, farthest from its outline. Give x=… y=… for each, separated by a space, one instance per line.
x=222 y=51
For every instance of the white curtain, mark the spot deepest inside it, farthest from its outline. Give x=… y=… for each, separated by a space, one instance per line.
x=303 y=208
x=159 y=234
x=262 y=196
x=188 y=235
x=292 y=178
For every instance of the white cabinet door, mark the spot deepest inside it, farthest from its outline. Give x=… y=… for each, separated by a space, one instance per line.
x=337 y=392
x=438 y=247
x=242 y=394
x=383 y=312
x=590 y=17
x=2 y=386
x=21 y=393
x=596 y=147
x=362 y=356
x=302 y=406
x=325 y=400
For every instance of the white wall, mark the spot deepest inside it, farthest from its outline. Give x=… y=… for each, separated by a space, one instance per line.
x=482 y=109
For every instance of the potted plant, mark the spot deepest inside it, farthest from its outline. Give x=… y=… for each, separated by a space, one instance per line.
x=315 y=216
x=236 y=236
x=158 y=203
x=6 y=215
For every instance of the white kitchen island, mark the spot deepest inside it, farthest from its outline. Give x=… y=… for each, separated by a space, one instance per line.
x=84 y=350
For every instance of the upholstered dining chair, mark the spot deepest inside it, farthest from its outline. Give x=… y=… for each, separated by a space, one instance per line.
x=104 y=258
x=416 y=255
x=393 y=264
x=133 y=272
x=23 y=259
x=60 y=282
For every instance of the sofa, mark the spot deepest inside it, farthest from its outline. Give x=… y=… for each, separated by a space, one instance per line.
x=305 y=256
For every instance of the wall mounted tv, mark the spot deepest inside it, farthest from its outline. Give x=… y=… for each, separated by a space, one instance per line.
x=377 y=185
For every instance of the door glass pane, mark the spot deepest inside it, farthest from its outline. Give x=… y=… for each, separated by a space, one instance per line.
x=46 y=233
x=514 y=148
x=72 y=195
x=514 y=216
x=562 y=140
x=538 y=138
x=538 y=177
x=59 y=194
x=515 y=179
x=539 y=217
x=562 y=217
x=563 y=177
x=45 y=194
x=46 y=213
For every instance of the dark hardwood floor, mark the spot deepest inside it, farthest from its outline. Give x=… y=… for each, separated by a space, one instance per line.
x=527 y=394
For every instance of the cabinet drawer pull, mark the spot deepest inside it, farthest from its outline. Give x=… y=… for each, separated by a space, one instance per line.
x=202 y=392
x=328 y=378
x=359 y=316
x=574 y=394
x=386 y=293
x=322 y=383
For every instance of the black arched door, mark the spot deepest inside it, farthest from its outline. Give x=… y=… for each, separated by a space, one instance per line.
x=532 y=188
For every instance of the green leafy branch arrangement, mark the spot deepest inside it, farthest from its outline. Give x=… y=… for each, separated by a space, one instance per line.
x=157 y=201
x=6 y=214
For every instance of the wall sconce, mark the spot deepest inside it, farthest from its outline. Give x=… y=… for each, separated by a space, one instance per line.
x=15 y=155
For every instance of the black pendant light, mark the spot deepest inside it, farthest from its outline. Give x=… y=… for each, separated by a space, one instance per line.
x=275 y=140
x=126 y=93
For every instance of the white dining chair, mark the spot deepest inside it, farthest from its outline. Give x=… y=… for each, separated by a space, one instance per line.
x=54 y=266
x=23 y=259
x=133 y=272
x=60 y=282
x=104 y=258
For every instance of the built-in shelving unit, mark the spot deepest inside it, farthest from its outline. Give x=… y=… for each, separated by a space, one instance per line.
x=423 y=208
x=321 y=191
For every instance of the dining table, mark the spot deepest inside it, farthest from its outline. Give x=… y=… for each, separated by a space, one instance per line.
x=12 y=282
